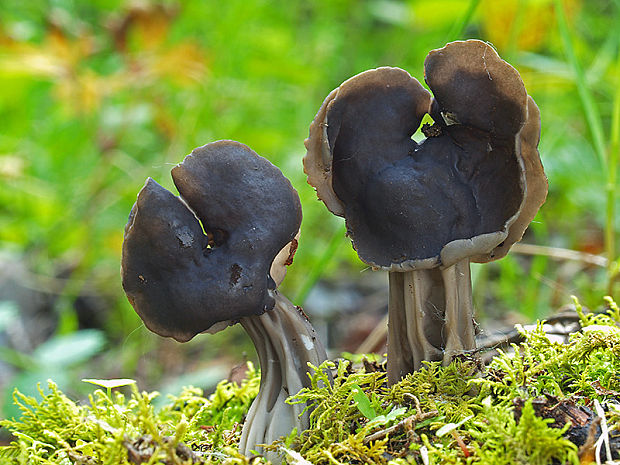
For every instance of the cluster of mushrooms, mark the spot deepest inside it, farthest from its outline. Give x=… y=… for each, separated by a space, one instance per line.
x=215 y=255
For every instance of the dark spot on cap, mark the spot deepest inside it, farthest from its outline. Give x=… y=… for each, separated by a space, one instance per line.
x=235 y=274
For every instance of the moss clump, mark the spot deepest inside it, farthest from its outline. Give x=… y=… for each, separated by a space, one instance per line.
x=506 y=414
x=432 y=416
x=456 y=414
x=589 y=365
x=498 y=438
x=119 y=430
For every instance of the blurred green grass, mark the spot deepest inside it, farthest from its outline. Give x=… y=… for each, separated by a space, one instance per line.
x=96 y=96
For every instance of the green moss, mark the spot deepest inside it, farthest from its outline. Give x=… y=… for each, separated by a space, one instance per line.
x=500 y=440
x=438 y=415
x=445 y=389
x=115 y=430
x=589 y=362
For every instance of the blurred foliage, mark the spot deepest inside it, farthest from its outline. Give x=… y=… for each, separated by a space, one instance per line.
x=97 y=95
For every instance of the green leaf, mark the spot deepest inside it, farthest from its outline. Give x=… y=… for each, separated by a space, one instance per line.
x=363 y=403
x=70 y=349
x=447 y=428
x=382 y=420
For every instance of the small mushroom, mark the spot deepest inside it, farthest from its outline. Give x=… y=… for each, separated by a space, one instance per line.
x=213 y=257
x=423 y=211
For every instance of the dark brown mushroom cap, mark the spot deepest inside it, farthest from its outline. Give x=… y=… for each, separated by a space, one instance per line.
x=454 y=195
x=180 y=281
x=474 y=87
x=535 y=182
x=380 y=107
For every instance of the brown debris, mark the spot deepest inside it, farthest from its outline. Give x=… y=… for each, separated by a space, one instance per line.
x=142 y=449
x=585 y=425
x=561 y=411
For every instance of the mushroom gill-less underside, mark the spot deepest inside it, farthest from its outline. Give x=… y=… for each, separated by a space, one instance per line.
x=213 y=257
x=423 y=211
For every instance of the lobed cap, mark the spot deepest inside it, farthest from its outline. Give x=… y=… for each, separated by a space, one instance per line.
x=203 y=260
x=470 y=189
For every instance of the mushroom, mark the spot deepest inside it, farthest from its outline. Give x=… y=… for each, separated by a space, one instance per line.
x=424 y=211
x=213 y=257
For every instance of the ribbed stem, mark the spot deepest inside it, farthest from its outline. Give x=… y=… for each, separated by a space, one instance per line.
x=430 y=317
x=285 y=342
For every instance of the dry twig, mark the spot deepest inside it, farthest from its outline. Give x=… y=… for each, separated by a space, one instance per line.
x=412 y=419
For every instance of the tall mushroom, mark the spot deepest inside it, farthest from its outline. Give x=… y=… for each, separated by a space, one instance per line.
x=423 y=211
x=214 y=256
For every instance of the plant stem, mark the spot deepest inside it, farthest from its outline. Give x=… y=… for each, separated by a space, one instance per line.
x=320 y=266
x=611 y=186
x=607 y=157
x=459 y=27
x=515 y=28
x=592 y=114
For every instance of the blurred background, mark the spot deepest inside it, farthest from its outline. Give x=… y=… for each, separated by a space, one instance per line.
x=97 y=95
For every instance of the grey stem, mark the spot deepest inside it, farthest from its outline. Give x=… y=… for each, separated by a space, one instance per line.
x=430 y=317
x=285 y=342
